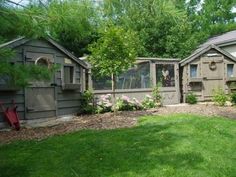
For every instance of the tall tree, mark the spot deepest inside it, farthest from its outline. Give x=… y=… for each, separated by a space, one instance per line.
x=73 y=23
x=163 y=29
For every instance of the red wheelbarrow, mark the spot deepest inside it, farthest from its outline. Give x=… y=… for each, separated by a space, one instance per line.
x=11 y=115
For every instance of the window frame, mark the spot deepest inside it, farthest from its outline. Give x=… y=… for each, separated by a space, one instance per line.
x=228 y=70
x=197 y=72
x=156 y=69
x=63 y=73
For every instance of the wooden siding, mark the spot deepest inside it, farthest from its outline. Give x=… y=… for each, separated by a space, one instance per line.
x=67 y=102
x=206 y=80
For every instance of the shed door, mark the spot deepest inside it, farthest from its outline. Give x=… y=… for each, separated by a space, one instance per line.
x=40 y=102
x=40 y=97
x=213 y=74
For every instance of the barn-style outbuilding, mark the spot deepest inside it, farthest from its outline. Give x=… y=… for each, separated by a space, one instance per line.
x=212 y=66
x=58 y=97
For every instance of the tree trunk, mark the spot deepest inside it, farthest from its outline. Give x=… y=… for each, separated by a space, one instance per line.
x=113 y=85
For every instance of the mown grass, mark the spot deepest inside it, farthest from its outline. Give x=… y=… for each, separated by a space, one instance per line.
x=177 y=145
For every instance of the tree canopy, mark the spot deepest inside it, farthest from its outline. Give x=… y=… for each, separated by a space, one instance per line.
x=170 y=28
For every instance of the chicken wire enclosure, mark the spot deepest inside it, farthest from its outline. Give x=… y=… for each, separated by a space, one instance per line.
x=139 y=80
x=101 y=83
x=137 y=77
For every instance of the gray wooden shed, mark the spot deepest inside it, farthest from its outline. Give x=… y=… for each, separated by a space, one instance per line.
x=207 y=69
x=43 y=100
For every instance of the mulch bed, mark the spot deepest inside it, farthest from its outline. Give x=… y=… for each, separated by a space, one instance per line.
x=112 y=121
x=96 y=122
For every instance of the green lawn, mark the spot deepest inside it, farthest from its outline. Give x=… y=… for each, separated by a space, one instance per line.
x=177 y=145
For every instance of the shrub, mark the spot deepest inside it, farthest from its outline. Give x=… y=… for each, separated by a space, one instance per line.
x=104 y=104
x=149 y=102
x=219 y=97
x=191 y=98
x=126 y=104
x=156 y=95
x=87 y=100
x=233 y=98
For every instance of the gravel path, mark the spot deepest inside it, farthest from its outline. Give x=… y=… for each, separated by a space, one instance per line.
x=111 y=121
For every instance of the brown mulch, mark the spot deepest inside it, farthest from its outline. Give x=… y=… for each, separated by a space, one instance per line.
x=96 y=122
x=201 y=109
x=112 y=121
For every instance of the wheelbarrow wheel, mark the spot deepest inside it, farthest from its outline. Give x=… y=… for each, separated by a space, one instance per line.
x=17 y=126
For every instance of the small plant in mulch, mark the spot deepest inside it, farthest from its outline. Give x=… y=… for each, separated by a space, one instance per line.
x=87 y=103
x=156 y=95
x=149 y=102
x=191 y=98
x=233 y=98
x=104 y=104
x=219 y=97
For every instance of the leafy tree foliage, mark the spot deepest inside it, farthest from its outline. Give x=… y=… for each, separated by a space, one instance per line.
x=164 y=30
x=170 y=28
x=14 y=22
x=114 y=52
x=73 y=23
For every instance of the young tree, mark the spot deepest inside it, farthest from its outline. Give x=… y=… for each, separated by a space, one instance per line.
x=114 y=52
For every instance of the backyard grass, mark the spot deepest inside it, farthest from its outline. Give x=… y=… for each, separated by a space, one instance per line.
x=177 y=145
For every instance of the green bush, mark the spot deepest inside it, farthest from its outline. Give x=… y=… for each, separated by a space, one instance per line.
x=233 y=98
x=191 y=98
x=219 y=97
x=87 y=106
x=156 y=95
x=149 y=102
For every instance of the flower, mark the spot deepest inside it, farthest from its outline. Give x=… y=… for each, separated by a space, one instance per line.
x=108 y=105
x=125 y=98
x=148 y=96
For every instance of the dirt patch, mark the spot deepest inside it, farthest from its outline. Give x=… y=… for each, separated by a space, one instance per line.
x=112 y=121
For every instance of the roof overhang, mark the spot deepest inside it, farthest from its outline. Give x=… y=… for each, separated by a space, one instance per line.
x=159 y=59
x=22 y=40
x=204 y=50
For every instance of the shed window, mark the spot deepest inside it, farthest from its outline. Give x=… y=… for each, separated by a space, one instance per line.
x=193 y=71
x=43 y=62
x=230 y=70
x=68 y=74
x=165 y=75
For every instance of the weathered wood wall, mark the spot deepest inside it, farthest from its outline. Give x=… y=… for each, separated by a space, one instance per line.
x=67 y=102
x=207 y=80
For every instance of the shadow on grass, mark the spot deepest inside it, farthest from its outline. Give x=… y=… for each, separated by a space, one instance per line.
x=100 y=153
x=15 y=170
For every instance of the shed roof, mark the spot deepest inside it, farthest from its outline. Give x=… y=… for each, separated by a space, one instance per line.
x=203 y=50
x=22 y=40
x=221 y=40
